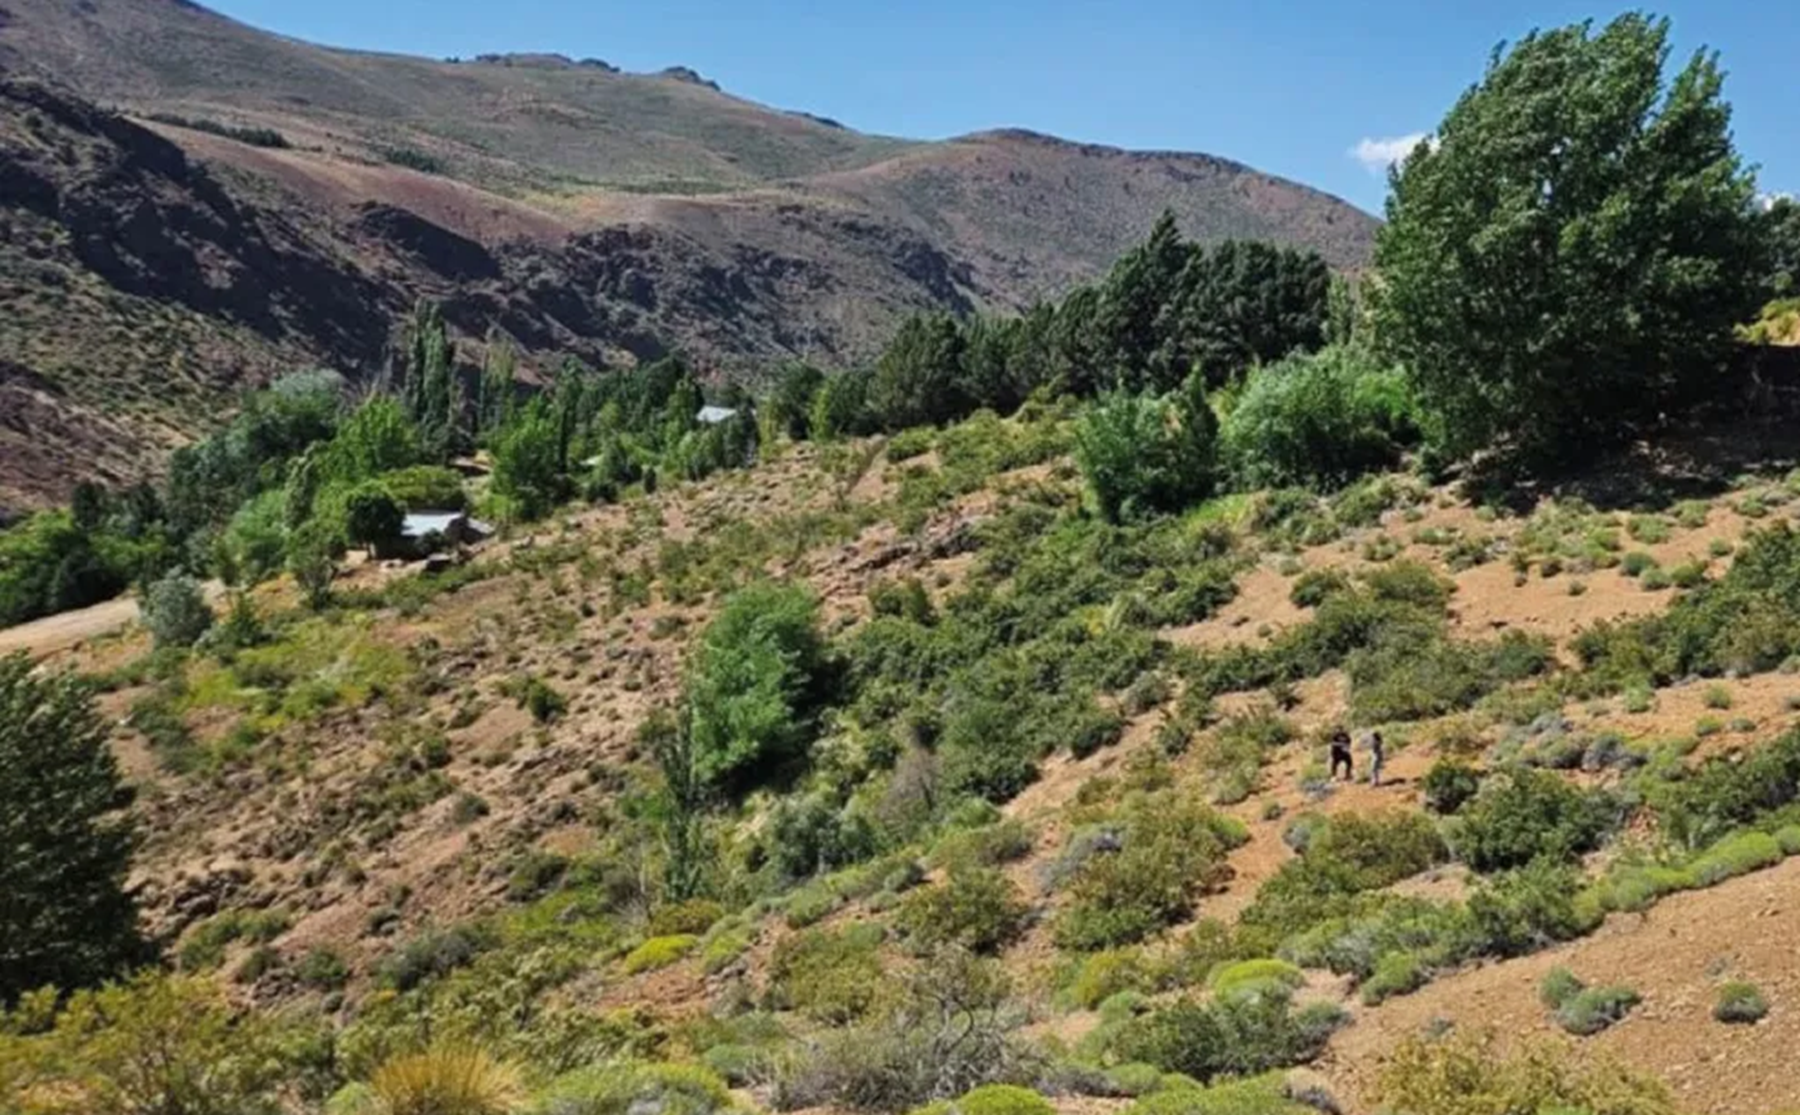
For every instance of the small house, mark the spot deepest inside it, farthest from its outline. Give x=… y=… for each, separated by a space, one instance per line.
x=423 y=533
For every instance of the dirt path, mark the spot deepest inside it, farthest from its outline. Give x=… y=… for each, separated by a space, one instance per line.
x=43 y=637
x=46 y=636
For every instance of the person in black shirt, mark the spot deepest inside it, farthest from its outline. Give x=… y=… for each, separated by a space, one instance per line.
x=1340 y=754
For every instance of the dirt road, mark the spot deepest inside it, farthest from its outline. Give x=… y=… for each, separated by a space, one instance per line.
x=46 y=636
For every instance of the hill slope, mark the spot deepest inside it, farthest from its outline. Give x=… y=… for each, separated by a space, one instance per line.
x=581 y=210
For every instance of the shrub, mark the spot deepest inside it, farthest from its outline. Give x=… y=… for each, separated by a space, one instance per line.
x=1172 y=850
x=1255 y=977
x=176 y=612
x=1101 y=975
x=1234 y=1036
x=1317 y=421
x=1528 y=909
x=1636 y=563
x=659 y=952
x=322 y=970
x=977 y=908
x=1466 y=1074
x=1738 y=854
x=426 y=488
x=430 y=954
x=1314 y=586
x=946 y=1030
x=696 y=915
x=1262 y=1095
x=1523 y=815
x=446 y=1080
x=1396 y=973
x=1740 y=1003
x=1449 y=785
x=1558 y=986
x=1382 y=848
x=993 y=1099
x=541 y=700
x=987 y=846
x=372 y=517
x=831 y=976
x=151 y=1044
x=1594 y=1009
x=620 y=1088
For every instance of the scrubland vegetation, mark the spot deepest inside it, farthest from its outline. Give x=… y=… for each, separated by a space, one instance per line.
x=912 y=787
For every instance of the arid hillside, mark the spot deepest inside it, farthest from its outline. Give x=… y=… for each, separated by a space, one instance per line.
x=386 y=795
x=577 y=210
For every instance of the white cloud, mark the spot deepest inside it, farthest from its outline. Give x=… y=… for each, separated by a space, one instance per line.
x=1376 y=155
x=1767 y=201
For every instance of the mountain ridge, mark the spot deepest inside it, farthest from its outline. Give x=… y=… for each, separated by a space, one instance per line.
x=582 y=212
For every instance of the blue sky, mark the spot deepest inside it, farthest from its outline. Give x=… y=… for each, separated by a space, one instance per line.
x=1293 y=87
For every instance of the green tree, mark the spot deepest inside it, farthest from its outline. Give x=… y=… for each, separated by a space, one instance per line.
x=66 y=918
x=377 y=438
x=918 y=380
x=1319 y=421
x=494 y=407
x=1781 y=224
x=754 y=689
x=1143 y=454
x=431 y=394
x=311 y=554
x=528 y=462
x=840 y=407
x=1137 y=291
x=788 y=407
x=1568 y=257
x=372 y=517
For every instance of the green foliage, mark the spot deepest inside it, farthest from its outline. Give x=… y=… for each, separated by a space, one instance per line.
x=757 y=681
x=1594 y=1009
x=1525 y=910
x=832 y=976
x=431 y=954
x=49 y=564
x=528 y=463
x=1742 y=622
x=1396 y=973
x=1317 y=421
x=977 y=908
x=1143 y=454
x=176 y=612
x=1558 y=986
x=620 y=1088
x=1232 y=1036
x=1449 y=785
x=1538 y=280
x=993 y=1099
x=67 y=919
x=1523 y=815
x=659 y=952
x=377 y=438
x=310 y=560
x=1466 y=1074
x=155 y=1044
x=1740 y=1003
x=426 y=488
x=1254 y=977
x=1261 y=1095
x=1315 y=586
x=1171 y=849
x=372 y=517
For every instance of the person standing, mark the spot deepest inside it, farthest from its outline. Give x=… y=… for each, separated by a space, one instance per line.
x=1340 y=754
x=1377 y=752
